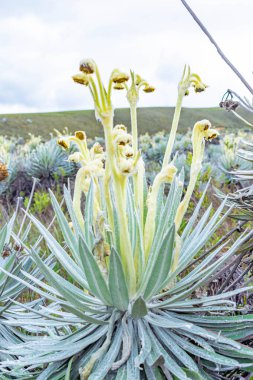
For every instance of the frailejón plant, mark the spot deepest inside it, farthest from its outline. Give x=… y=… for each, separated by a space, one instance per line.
x=126 y=307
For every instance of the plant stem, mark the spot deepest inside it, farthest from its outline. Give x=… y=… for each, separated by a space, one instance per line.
x=125 y=243
x=133 y=113
x=149 y=230
x=241 y=118
x=101 y=90
x=136 y=176
x=119 y=182
x=78 y=195
x=203 y=28
x=174 y=127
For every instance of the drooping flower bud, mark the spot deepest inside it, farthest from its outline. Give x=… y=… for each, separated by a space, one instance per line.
x=138 y=79
x=199 y=87
x=125 y=166
x=63 y=143
x=80 y=135
x=128 y=151
x=87 y=66
x=118 y=86
x=149 y=88
x=167 y=174
x=119 y=129
x=123 y=139
x=211 y=134
x=75 y=157
x=97 y=148
x=81 y=79
x=202 y=125
x=119 y=77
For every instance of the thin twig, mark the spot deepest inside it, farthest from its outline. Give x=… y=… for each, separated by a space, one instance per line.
x=224 y=238
x=240 y=277
x=237 y=263
x=203 y=28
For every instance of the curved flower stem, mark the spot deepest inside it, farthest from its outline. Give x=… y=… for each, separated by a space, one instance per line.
x=94 y=90
x=150 y=224
x=140 y=186
x=136 y=176
x=101 y=90
x=133 y=113
x=185 y=202
x=108 y=200
x=109 y=93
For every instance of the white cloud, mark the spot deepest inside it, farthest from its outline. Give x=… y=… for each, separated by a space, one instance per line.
x=43 y=41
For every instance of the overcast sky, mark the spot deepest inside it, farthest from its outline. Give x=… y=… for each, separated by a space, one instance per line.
x=42 y=42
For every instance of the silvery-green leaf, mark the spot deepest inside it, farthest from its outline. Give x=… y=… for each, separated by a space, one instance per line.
x=139 y=308
x=117 y=282
x=95 y=278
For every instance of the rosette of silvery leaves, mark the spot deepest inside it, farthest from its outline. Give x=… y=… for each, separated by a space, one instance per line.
x=102 y=320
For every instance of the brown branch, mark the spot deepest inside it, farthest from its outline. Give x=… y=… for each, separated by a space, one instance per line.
x=203 y=28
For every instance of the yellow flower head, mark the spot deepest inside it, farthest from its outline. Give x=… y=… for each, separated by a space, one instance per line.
x=63 y=143
x=123 y=139
x=149 y=88
x=128 y=151
x=118 y=86
x=81 y=79
x=97 y=148
x=138 y=79
x=126 y=166
x=76 y=157
x=167 y=174
x=119 y=77
x=87 y=66
x=80 y=135
x=199 y=87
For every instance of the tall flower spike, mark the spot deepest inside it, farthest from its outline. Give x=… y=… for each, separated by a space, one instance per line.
x=166 y=175
x=202 y=131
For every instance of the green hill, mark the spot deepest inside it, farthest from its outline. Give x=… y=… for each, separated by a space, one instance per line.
x=150 y=120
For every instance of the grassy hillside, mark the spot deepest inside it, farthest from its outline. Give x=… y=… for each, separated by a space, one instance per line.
x=150 y=120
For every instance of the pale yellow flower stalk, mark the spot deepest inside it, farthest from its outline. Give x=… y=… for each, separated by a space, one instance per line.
x=133 y=99
x=166 y=175
x=92 y=167
x=188 y=79
x=104 y=112
x=202 y=131
x=91 y=170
